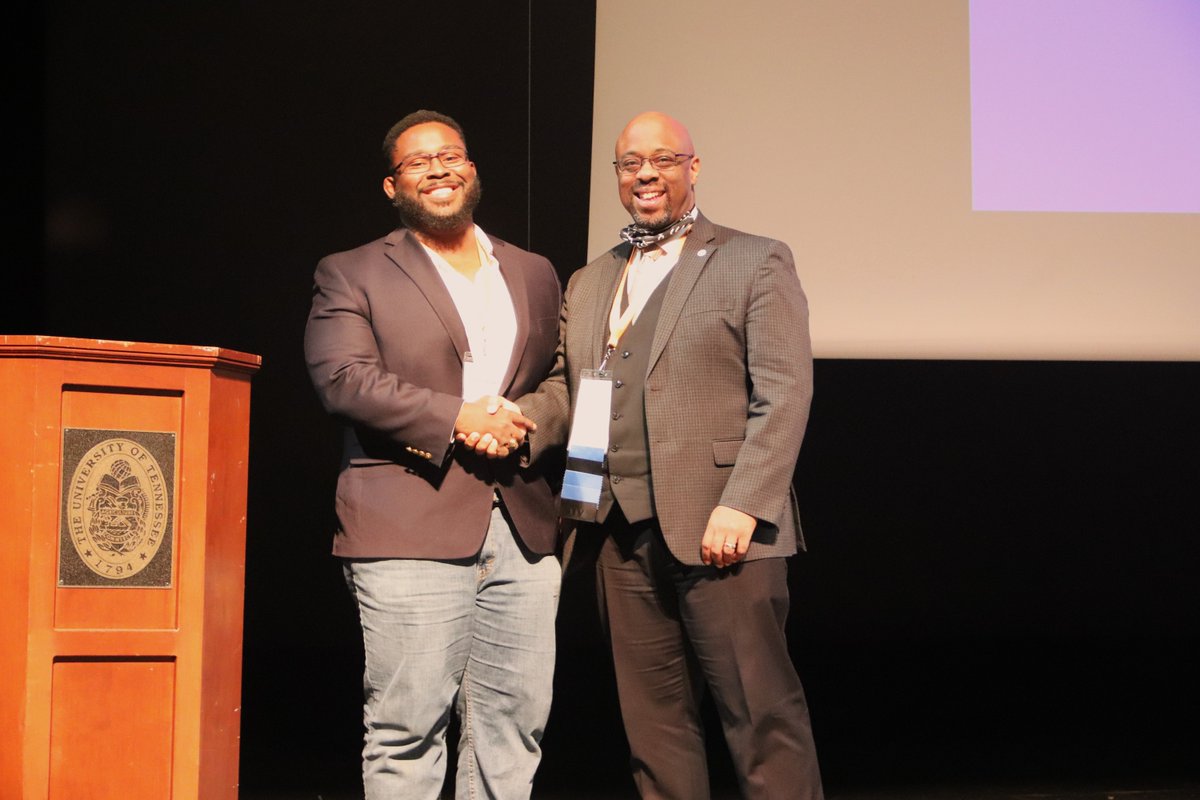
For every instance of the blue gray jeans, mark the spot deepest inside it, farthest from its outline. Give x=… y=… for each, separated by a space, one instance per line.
x=474 y=635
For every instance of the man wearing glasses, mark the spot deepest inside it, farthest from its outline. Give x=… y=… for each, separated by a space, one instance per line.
x=682 y=386
x=449 y=556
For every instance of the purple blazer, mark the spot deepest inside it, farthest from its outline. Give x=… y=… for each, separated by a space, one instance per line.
x=384 y=346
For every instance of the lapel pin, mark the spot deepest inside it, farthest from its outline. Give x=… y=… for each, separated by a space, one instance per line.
x=702 y=253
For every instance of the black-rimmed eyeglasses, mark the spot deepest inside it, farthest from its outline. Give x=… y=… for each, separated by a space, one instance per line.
x=450 y=157
x=661 y=162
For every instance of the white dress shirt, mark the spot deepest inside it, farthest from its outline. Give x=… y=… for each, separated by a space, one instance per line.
x=485 y=307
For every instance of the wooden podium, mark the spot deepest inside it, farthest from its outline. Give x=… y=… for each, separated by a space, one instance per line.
x=123 y=487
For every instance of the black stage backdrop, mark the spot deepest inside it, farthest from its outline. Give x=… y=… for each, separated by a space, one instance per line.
x=1001 y=584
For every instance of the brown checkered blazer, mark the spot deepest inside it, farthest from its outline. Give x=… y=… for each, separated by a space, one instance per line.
x=727 y=391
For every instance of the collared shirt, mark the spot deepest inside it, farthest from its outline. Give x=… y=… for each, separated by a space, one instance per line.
x=648 y=268
x=485 y=307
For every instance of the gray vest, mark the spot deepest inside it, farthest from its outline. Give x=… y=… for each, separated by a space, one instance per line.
x=627 y=479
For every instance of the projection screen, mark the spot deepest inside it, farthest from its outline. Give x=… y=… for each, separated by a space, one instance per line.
x=995 y=179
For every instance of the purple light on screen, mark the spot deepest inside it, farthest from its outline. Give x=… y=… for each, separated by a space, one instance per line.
x=1085 y=105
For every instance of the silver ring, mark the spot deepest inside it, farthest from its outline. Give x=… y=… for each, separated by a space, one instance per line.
x=730 y=546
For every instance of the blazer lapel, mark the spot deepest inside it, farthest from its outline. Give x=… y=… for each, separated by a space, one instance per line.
x=408 y=254
x=518 y=289
x=606 y=292
x=697 y=249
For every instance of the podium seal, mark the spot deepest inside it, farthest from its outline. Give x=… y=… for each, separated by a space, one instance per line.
x=117 y=508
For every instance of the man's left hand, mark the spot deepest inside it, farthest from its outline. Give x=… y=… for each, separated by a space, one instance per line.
x=727 y=537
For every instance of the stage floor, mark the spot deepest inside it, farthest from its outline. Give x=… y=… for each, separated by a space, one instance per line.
x=1176 y=792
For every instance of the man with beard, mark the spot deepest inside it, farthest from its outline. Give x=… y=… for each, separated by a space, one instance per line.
x=409 y=340
x=685 y=371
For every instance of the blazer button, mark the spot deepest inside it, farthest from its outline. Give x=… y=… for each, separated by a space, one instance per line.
x=625 y=354
x=615 y=448
x=615 y=478
x=619 y=383
x=616 y=415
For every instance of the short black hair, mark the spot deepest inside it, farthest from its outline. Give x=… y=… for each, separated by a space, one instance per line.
x=419 y=117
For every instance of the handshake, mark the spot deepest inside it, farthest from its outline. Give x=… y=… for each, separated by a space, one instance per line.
x=492 y=426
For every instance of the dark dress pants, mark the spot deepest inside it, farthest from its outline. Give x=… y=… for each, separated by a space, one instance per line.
x=677 y=629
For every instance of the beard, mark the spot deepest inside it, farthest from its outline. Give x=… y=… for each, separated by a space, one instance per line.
x=417 y=217
x=655 y=223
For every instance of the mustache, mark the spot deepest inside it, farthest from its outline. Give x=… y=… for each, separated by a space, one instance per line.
x=444 y=184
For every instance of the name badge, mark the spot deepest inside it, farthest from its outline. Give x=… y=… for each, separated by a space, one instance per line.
x=586 y=446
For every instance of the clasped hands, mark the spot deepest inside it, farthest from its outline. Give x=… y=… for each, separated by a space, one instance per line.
x=492 y=426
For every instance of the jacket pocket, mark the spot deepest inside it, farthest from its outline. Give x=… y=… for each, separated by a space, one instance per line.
x=365 y=461
x=708 y=308
x=725 y=451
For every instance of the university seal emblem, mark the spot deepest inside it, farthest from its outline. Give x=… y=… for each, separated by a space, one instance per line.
x=117 y=509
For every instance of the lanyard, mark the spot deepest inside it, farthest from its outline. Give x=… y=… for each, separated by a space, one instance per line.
x=618 y=322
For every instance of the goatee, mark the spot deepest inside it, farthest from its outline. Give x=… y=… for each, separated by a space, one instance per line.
x=655 y=223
